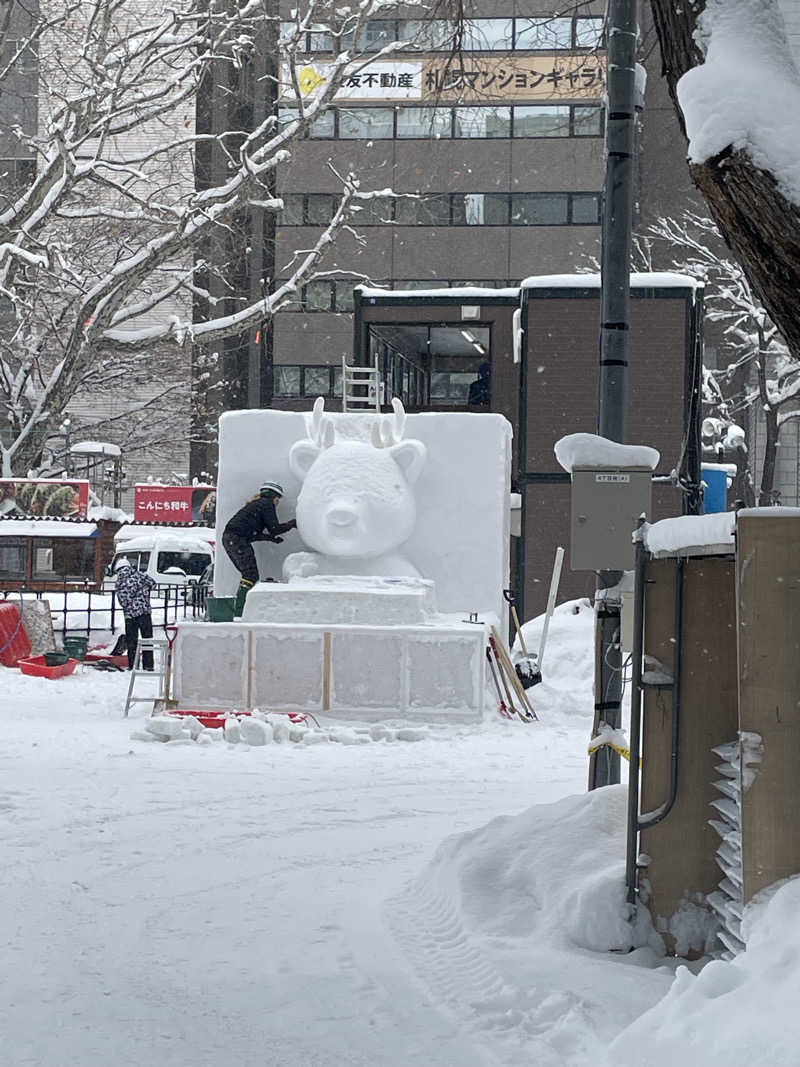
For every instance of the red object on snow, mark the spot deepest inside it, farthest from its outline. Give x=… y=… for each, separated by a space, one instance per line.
x=36 y=666
x=119 y=661
x=212 y=720
x=20 y=646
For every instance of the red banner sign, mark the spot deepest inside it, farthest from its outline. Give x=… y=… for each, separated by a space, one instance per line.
x=44 y=497
x=174 y=503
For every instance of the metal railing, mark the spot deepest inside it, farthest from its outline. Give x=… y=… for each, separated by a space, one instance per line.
x=91 y=610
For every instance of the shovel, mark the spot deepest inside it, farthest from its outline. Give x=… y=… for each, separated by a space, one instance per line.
x=526 y=668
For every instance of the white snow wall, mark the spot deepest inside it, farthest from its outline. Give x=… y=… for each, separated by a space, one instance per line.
x=461 y=538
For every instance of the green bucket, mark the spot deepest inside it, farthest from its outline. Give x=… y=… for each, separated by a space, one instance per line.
x=220 y=608
x=76 y=646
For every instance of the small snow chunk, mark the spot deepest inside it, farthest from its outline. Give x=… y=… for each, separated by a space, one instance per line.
x=314 y=737
x=165 y=727
x=144 y=735
x=280 y=730
x=411 y=733
x=233 y=731
x=379 y=732
x=255 y=732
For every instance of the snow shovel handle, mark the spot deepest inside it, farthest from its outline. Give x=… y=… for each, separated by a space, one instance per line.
x=171 y=633
x=510 y=599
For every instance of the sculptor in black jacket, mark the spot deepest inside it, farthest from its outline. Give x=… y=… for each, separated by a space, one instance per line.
x=256 y=521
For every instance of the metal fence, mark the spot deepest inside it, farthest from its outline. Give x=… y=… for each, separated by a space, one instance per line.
x=92 y=611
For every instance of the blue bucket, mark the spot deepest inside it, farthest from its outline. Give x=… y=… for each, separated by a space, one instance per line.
x=716 y=495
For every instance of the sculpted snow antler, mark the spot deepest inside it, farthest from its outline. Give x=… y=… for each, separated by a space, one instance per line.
x=389 y=430
x=321 y=431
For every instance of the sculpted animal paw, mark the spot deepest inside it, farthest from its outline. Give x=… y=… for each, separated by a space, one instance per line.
x=300 y=565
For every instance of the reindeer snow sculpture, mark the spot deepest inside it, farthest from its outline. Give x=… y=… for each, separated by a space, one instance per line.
x=355 y=507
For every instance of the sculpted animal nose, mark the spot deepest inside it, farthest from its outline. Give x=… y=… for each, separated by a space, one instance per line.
x=342 y=516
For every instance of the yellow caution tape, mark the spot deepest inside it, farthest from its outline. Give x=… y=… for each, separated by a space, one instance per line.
x=597 y=743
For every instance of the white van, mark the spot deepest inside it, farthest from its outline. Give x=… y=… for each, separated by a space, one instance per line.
x=169 y=559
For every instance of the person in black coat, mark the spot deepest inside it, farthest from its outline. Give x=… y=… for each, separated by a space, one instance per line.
x=256 y=521
x=132 y=588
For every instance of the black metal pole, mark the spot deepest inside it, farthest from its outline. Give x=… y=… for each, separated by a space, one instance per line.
x=612 y=379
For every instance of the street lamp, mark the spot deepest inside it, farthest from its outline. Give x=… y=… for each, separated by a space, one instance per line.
x=65 y=428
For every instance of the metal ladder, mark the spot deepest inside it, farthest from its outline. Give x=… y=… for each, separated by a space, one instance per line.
x=361 y=386
x=159 y=647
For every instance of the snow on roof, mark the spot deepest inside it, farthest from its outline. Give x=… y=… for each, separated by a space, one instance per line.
x=95 y=448
x=199 y=533
x=460 y=292
x=589 y=450
x=164 y=543
x=651 y=280
x=101 y=511
x=770 y=513
x=46 y=528
x=691 y=535
x=746 y=95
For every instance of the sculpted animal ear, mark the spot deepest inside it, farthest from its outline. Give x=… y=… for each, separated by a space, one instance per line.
x=301 y=455
x=410 y=458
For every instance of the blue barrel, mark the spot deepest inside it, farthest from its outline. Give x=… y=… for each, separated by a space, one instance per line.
x=716 y=495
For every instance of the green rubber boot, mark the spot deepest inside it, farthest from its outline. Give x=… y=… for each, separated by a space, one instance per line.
x=241 y=595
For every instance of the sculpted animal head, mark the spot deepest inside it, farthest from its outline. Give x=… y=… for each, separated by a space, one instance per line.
x=356 y=498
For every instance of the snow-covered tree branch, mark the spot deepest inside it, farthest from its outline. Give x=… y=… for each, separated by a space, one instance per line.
x=103 y=251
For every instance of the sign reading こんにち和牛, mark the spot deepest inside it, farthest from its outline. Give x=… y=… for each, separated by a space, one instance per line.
x=174 y=503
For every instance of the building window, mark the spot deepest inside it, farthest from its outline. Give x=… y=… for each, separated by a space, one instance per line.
x=541 y=121
x=488 y=35
x=430 y=210
x=319 y=209
x=589 y=32
x=324 y=125
x=286 y=381
x=424 y=122
x=480 y=209
x=15 y=176
x=319 y=296
x=542 y=34
x=343 y=293
x=539 y=209
x=367 y=123
x=587 y=122
x=316 y=381
x=13 y=557
x=292 y=213
x=482 y=121
x=585 y=209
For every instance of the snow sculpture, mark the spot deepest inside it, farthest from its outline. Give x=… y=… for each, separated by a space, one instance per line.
x=356 y=507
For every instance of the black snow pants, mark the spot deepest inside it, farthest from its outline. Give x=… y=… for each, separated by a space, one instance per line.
x=138 y=624
x=242 y=556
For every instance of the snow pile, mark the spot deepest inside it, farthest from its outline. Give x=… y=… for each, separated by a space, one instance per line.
x=732 y=1014
x=747 y=93
x=259 y=729
x=513 y=926
x=690 y=532
x=589 y=450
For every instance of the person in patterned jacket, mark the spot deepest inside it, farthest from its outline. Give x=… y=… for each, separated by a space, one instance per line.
x=133 y=587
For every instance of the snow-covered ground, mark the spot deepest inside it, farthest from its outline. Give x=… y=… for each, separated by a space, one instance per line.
x=453 y=901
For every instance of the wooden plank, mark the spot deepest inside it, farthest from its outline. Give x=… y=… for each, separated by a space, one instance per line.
x=326 y=671
x=682 y=846
x=768 y=590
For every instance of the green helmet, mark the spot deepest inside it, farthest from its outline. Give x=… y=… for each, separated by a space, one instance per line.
x=271 y=489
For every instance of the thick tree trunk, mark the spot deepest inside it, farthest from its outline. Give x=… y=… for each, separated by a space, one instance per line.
x=759 y=224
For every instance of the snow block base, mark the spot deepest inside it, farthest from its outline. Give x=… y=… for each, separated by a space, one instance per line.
x=430 y=673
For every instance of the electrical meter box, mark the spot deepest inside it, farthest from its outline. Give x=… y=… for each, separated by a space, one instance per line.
x=606 y=505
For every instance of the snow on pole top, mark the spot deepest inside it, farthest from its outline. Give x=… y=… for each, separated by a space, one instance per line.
x=589 y=450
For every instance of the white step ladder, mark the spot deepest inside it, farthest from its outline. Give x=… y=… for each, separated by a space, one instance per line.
x=159 y=647
x=361 y=386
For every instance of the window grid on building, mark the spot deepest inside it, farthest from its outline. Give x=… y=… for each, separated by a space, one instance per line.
x=479 y=121
x=545 y=34
x=450 y=209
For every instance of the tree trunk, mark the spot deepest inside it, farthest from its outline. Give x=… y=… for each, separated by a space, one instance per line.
x=766 y=493
x=759 y=224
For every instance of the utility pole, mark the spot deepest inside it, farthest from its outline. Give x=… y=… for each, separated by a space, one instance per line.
x=612 y=380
